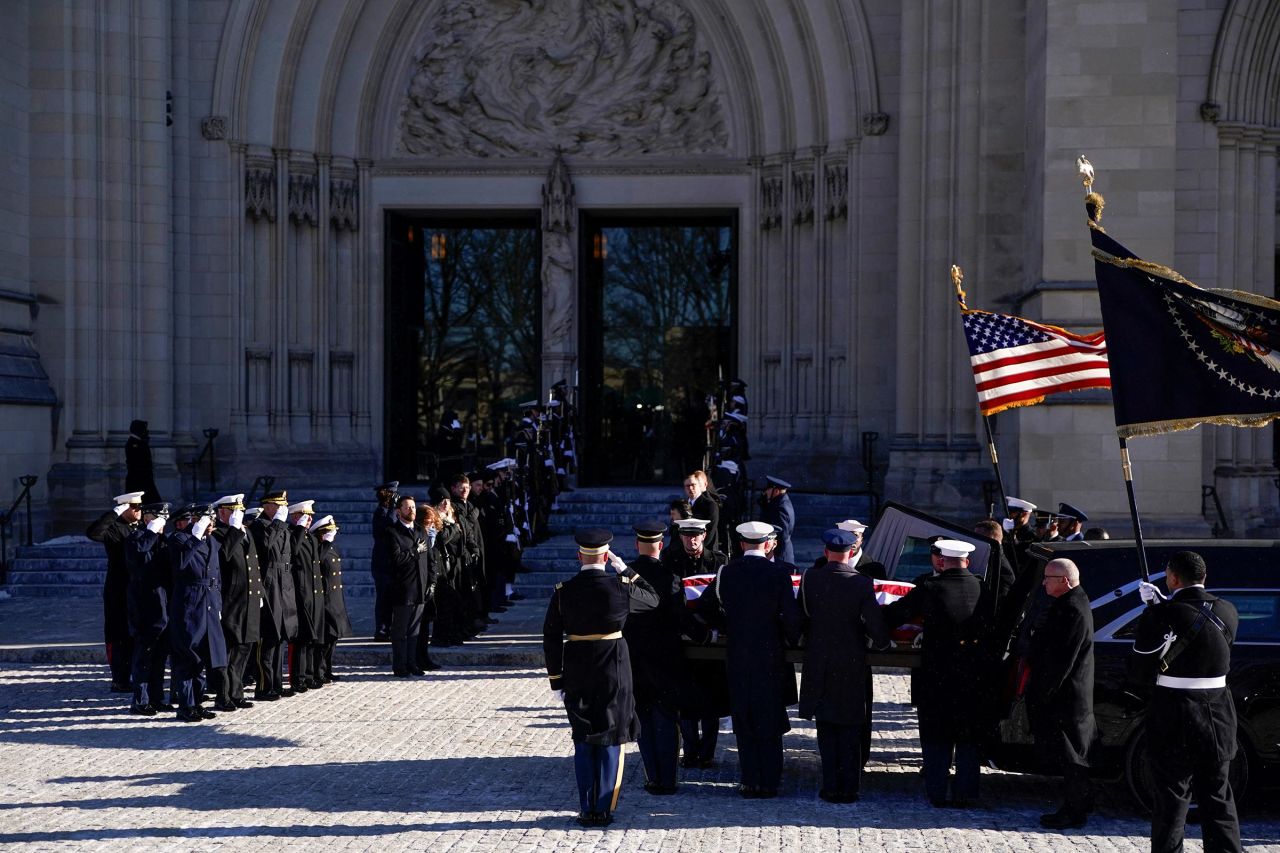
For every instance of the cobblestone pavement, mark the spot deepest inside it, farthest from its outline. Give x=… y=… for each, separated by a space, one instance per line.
x=466 y=760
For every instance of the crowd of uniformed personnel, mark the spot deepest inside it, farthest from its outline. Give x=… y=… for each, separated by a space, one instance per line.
x=612 y=641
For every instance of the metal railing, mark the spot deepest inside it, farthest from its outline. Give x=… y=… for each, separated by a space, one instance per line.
x=206 y=452
x=1221 y=529
x=6 y=522
x=869 y=440
x=261 y=480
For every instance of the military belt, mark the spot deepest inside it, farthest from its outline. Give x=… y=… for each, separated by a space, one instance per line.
x=1191 y=683
x=579 y=638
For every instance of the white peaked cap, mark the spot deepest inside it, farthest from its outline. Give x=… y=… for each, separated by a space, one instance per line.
x=953 y=548
x=755 y=531
x=303 y=507
x=851 y=525
x=1019 y=503
x=128 y=498
x=230 y=500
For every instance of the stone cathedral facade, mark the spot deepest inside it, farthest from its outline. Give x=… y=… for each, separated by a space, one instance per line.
x=193 y=228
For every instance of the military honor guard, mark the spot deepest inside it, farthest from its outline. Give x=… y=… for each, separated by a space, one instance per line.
x=1019 y=532
x=752 y=600
x=337 y=624
x=146 y=557
x=308 y=586
x=195 y=610
x=589 y=668
x=949 y=689
x=241 y=598
x=412 y=577
x=1183 y=647
x=776 y=509
x=279 y=622
x=1060 y=691
x=657 y=658
x=1071 y=523
x=840 y=616
x=111 y=529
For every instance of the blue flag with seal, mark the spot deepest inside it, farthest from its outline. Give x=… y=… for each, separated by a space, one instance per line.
x=1182 y=355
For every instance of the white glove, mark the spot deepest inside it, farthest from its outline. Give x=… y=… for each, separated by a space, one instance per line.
x=1007 y=524
x=619 y=564
x=559 y=694
x=304 y=521
x=513 y=539
x=120 y=508
x=237 y=519
x=282 y=513
x=1149 y=593
x=156 y=525
x=329 y=535
x=200 y=528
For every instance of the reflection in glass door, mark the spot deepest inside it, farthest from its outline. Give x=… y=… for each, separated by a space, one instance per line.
x=658 y=339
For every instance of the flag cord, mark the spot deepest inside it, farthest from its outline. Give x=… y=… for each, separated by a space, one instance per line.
x=1127 y=467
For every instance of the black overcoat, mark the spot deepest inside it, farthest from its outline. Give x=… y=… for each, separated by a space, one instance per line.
x=705 y=689
x=241 y=585
x=280 y=611
x=840 y=610
x=707 y=507
x=1060 y=682
x=147 y=559
x=410 y=565
x=595 y=674
x=111 y=531
x=195 y=605
x=753 y=601
x=383 y=517
x=308 y=585
x=336 y=622
x=782 y=515
x=653 y=638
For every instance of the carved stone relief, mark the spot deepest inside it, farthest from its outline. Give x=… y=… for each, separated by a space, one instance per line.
x=802 y=196
x=875 y=124
x=304 y=204
x=260 y=193
x=557 y=258
x=343 y=204
x=213 y=127
x=528 y=77
x=770 y=203
x=557 y=199
x=836 y=187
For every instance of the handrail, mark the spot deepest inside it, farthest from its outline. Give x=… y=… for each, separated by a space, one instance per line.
x=869 y=465
x=261 y=480
x=6 y=520
x=210 y=434
x=1221 y=529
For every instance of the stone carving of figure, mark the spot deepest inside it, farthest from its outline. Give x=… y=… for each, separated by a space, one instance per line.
x=557 y=290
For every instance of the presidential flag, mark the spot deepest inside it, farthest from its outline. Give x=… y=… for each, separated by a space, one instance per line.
x=1018 y=362
x=1182 y=355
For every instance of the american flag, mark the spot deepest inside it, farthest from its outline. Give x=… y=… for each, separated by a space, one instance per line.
x=1018 y=362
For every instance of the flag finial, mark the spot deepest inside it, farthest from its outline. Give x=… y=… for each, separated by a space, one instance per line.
x=1093 y=202
x=1085 y=168
x=957 y=278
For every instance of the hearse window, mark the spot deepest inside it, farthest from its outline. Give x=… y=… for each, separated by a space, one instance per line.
x=1259 y=616
x=914 y=560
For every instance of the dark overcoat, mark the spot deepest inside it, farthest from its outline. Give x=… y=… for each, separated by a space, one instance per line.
x=147 y=559
x=780 y=514
x=705 y=689
x=195 y=605
x=308 y=585
x=653 y=638
x=383 y=517
x=595 y=674
x=280 y=611
x=1060 y=681
x=840 y=610
x=707 y=507
x=336 y=622
x=753 y=601
x=111 y=531
x=410 y=565
x=241 y=585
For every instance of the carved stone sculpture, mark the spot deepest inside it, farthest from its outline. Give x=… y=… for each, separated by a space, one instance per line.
x=557 y=199
x=525 y=78
x=802 y=196
x=343 y=200
x=836 y=187
x=260 y=193
x=770 y=203
x=303 y=202
x=213 y=127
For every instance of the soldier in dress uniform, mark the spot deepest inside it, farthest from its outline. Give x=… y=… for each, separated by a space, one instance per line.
x=384 y=515
x=1183 y=645
x=705 y=693
x=195 y=611
x=241 y=599
x=841 y=614
x=1019 y=532
x=337 y=624
x=147 y=559
x=308 y=586
x=657 y=657
x=590 y=668
x=1071 y=523
x=279 y=623
x=752 y=599
x=776 y=509
x=111 y=529
x=948 y=693
x=1060 y=690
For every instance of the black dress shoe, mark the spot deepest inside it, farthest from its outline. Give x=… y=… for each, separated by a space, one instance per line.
x=604 y=819
x=243 y=703
x=417 y=670
x=287 y=693
x=689 y=762
x=315 y=684
x=748 y=792
x=163 y=706
x=142 y=710
x=206 y=713
x=190 y=715
x=1064 y=819
x=332 y=679
x=586 y=819
x=299 y=687
x=404 y=674
x=266 y=697
x=226 y=706
x=432 y=666
x=829 y=796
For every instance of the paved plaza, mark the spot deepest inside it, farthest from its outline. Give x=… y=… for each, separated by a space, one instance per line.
x=469 y=759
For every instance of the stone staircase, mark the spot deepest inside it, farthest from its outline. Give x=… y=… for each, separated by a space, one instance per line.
x=74 y=566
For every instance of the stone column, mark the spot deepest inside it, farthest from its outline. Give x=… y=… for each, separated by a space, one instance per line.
x=559 y=279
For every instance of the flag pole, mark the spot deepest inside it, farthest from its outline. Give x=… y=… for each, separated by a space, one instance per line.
x=1093 y=205
x=957 y=278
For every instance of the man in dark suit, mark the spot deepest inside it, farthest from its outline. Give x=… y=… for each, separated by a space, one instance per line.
x=839 y=604
x=589 y=666
x=1191 y=719
x=949 y=693
x=195 y=608
x=111 y=529
x=412 y=578
x=753 y=601
x=776 y=510
x=384 y=515
x=703 y=504
x=657 y=661
x=1060 y=690
x=241 y=599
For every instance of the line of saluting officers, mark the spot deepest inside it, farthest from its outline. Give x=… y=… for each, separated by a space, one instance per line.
x=614 y=656
x=226 y=595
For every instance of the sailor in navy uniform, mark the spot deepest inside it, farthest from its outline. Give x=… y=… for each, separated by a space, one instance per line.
x=195 y=610
x=590 y=668
x=753 y=601
x=1183 y=645
x=776 y=510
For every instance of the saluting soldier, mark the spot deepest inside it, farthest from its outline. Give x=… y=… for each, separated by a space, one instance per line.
x=337 y=624
x=241 y=598
x=657 y=655
x=308 y=585
x=753 y=601
x=195 y=611
x=589 y=666
x=111 y=529
x=1184 y=645
x=279 y=622
x=704 y=697
x=147 y=559
x=1020 y=532
x=776 y=509
x=839 y=605
x=948 y=693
